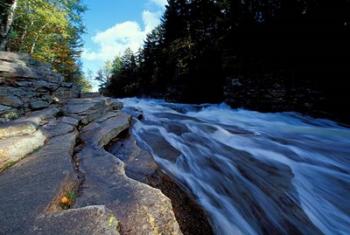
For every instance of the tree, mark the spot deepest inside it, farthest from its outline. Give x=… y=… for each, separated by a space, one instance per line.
x=117 y=65
x=7 y=10
x=260 y=54
x=50 y=31
x=124 y=80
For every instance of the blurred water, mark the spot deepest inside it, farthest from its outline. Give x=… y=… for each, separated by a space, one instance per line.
x=253 y=173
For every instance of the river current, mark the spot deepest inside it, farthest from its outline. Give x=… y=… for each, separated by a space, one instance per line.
x=253 y=173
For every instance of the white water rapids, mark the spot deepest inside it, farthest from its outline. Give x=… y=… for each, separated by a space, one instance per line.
x=253 y=173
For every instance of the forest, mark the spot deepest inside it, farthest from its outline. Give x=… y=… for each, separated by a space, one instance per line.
x=48 y=30
x=266 y=55
x=223 y=117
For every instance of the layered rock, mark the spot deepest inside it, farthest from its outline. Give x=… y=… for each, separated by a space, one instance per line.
x=23 y=136
x=58 y=153
x=31 y=187
x=27 y=85
x=140 y=208
x=107 y=200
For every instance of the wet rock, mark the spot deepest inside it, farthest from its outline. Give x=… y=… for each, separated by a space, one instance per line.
x=134 y=112
x=139 y=164
x=94 y=220
x=116 y=105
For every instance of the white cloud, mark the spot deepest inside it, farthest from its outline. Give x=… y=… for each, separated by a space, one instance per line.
x=151 y=20
x=117 y=39
x=160 y=3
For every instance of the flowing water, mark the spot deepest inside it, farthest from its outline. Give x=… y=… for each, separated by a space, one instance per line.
x=253 y=173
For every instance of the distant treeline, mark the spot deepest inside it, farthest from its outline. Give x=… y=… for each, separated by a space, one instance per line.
x=49 y=30
x=268 y=55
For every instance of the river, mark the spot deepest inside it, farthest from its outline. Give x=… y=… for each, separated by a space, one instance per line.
x=252 y=172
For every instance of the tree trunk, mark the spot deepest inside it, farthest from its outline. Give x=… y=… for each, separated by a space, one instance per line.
x=24 y=35
x=37 y=38
x=6 y=21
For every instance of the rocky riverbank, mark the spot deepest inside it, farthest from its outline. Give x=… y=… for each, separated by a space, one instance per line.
x=56 y=176
x=141 y=166
x=27 y=85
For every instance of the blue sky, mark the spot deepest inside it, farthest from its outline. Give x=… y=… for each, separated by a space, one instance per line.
x=114 y=25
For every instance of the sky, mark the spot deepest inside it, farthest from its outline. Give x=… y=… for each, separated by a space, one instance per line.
x=114 y=25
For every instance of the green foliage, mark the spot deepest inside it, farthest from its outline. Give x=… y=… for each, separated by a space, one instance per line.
x=50 y=30
x=259 y=54
x=123 y=79
x=111 y=68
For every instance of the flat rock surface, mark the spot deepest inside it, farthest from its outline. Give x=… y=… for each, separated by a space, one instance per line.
x=140 y=208
x=87 y=110
x=92 y=220
x=32 y=189
x=15 y=148
x=28 y=188
x=40 y=117
x=101 y=132
x=16 y=129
